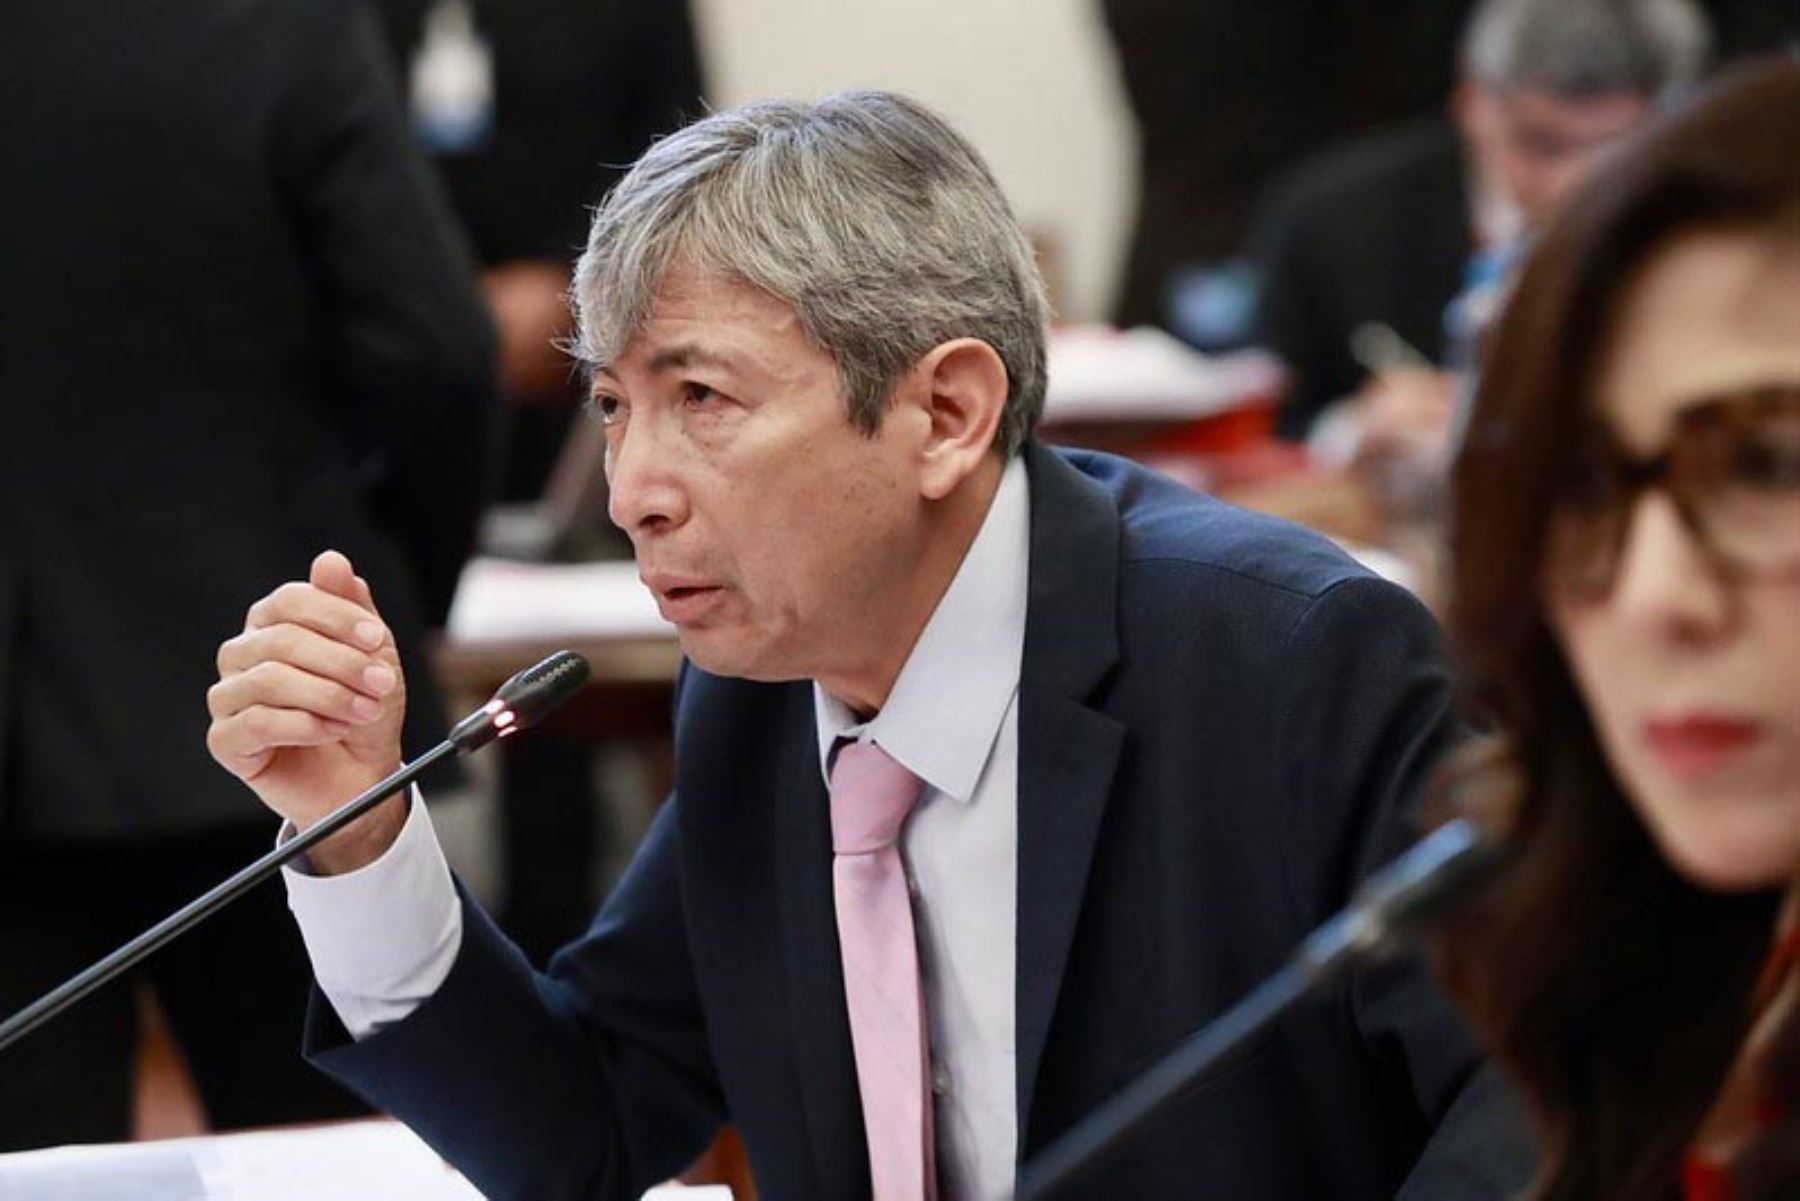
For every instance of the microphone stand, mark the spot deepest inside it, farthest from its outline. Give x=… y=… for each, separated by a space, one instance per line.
x=1392 y=904
x=519 y=702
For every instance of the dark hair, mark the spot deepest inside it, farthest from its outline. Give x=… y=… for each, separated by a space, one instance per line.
x=1615 y=992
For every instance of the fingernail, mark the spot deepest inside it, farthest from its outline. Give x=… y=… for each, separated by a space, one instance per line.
x=365 y=708
x=378 y=679
x=368 y=633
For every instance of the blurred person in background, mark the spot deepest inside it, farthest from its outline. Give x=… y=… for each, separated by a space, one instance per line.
x=530 y=110
x=1364 y=250
x=1627 y=607
x=237 y=322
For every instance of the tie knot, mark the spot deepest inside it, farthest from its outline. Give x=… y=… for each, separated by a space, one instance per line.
x=871 y=794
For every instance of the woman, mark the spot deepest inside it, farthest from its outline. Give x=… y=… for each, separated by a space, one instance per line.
x=1627 y=606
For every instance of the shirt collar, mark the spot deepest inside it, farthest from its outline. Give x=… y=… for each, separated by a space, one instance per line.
x=944 y=711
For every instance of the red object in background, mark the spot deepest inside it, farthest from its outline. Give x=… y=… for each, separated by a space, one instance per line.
x=1238 y=431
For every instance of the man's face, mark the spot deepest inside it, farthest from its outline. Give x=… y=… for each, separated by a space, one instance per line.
x=776 y=536
x=1534 y=147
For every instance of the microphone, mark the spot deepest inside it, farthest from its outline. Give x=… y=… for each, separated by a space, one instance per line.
x=1391 y=906
x=517 y=704
x=522 y=700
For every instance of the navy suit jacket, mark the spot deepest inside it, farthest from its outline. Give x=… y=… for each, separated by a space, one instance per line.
x=1223 y=722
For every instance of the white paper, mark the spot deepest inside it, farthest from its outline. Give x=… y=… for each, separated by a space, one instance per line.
x=375 y=1160
x=1102 y=374
x=500 y=600
x=365 y=1159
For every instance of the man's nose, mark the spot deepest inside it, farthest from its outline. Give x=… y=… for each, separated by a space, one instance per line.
x=644 y=479
x=1667 y=581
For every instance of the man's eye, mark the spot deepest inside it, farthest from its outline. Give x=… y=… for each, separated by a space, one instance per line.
x=697 y=396
x=607 y=410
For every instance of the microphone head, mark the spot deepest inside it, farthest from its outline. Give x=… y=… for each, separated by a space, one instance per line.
x=523 y=700
x=543 y=686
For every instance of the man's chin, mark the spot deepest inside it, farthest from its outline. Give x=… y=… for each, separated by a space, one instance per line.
x=717 y=655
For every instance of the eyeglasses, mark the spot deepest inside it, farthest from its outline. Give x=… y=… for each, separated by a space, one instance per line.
x=1732 y=468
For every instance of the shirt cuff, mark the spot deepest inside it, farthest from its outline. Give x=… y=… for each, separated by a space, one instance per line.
x=376 y=972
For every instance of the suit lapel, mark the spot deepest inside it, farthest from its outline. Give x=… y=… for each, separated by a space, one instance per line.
x=1068 y=751
x=819 y=1026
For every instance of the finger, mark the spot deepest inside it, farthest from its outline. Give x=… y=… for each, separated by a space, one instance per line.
x=314 y=608
x=244 y=742
x=283 y=686
x=331 y=571
x=309 y=651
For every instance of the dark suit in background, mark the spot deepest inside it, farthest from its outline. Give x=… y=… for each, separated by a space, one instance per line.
x=1746 y=27
x=226 y=274
x=1223 y=723
x=1229 y=92
x=1376 y=230
x=580 y=87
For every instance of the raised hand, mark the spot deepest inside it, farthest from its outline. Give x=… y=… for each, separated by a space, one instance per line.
x=308 y=705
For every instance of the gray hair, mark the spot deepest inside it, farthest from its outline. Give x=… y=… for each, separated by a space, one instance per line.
x=865 y=211
x=1580 y=48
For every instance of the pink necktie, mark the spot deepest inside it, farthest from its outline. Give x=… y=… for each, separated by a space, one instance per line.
x=871 y=795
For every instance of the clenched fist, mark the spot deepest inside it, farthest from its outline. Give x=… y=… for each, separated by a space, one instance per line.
x=308 y=706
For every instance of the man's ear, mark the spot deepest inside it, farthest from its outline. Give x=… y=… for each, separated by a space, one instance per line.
x=960 y=387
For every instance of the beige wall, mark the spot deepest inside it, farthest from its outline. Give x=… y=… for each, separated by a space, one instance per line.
x=1033 y=83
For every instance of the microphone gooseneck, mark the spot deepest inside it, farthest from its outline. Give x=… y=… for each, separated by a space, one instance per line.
x=1392 y=905
x=519 y=703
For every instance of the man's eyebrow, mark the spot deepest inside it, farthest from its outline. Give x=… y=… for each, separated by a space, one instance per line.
x=690 y=354
x=672 y=358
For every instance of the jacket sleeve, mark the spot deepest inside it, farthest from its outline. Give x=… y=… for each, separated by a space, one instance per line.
x=592 y=1080
x=408 y=346
x=1369 y=700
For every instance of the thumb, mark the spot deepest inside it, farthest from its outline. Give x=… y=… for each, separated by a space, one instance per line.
x=332 y=572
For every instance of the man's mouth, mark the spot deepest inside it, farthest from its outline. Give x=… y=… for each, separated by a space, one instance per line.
x=685 y=603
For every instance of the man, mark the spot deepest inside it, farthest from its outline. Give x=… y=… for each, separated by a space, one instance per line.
x=1391 y=229
x=1146 y=742
x=238 y=322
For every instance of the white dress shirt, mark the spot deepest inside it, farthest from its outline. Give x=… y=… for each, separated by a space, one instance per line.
x=952 y=719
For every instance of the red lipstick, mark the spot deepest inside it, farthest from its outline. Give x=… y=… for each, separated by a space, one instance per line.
x=1696 y=744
